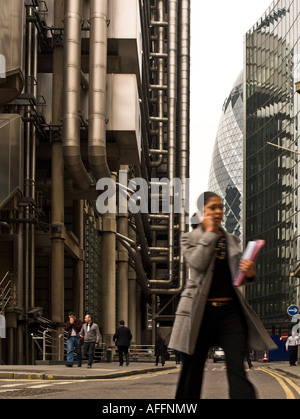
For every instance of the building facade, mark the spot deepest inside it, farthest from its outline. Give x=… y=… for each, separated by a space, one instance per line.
x=93 y=93
x=271 y=177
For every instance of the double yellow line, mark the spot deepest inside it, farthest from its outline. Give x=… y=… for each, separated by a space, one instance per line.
x=282 y=380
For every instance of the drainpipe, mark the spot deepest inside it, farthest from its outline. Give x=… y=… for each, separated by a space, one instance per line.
x=71 y=91
x=97 y=97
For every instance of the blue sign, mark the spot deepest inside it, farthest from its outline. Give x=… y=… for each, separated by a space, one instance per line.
x=293 y=310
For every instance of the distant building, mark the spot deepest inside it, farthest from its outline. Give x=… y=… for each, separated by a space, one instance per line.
x=226 y=173
x=272 y=210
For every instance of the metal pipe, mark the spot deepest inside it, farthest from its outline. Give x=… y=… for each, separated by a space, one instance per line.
x=160 y=86
x=184 y=120
x=125 y=191
x=72 y=78
x=57 y=179
x=172 y=104
x=97 y=97
x=33 y=165
x=27 y=181
x=141 y=276
x=123 y=280
x=184 y=135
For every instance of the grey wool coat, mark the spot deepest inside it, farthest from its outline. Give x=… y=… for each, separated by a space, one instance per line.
x=199 y=253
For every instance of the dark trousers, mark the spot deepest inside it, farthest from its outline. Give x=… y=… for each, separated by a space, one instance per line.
x=293 y=353
x=88 y=351
x=248 y=359
x=225 y=327
x=162 y=359
x=122 y=349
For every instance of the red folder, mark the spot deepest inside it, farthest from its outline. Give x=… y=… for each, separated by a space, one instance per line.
x=251 y=252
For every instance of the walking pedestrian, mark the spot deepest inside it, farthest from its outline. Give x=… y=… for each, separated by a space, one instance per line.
x=248 y=359
x=211 y=311
x=122 y=338
x=177 y=357
x=73 y=327
x=291 y=345
x=160 y=349
x=91 y=335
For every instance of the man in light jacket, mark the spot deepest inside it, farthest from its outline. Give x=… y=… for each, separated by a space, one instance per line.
x=91 y=334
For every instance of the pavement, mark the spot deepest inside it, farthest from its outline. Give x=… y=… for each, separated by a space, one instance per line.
x=109 y=370
x=99 y=370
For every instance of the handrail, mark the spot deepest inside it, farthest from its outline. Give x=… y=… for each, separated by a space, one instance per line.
x=49 y=341
x=3 y=279
x=5 y=292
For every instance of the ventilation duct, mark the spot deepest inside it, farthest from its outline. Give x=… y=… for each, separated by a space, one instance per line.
x=97 y=89
x=72 y=87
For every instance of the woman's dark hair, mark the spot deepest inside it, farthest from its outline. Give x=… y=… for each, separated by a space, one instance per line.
x=195 y=221
x=204 y=198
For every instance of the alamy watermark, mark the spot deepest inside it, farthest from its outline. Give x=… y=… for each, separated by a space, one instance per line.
x=2 y=327
x=2 y=67
x=159 y=196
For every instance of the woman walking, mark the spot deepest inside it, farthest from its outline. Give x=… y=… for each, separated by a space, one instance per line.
x=212 y=311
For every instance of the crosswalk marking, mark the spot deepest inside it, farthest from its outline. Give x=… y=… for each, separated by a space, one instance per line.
x=11 y=385
x=219 y=368
x=4 y=388
x=40 y=386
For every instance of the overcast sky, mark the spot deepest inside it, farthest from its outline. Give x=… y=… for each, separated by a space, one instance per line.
x=217 y=37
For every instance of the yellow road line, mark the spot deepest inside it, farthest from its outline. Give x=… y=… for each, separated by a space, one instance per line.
x=280 y=378
x=290 y=382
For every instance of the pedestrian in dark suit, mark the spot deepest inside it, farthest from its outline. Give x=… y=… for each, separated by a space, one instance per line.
x=122 y=338
x=160 y=349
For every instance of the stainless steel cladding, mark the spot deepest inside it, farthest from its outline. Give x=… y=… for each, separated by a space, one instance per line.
x=12 y=32
x=124 y=117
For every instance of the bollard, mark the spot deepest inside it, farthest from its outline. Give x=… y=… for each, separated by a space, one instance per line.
x=108 y=355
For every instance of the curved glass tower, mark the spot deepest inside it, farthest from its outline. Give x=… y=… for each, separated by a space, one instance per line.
x=226 y=172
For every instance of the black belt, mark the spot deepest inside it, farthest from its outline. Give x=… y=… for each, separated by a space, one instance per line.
x=220 y=303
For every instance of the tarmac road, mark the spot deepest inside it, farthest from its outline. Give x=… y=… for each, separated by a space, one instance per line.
x=143 y=382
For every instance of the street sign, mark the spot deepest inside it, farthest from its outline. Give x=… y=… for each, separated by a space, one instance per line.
x=293 y=310
x=284 y=336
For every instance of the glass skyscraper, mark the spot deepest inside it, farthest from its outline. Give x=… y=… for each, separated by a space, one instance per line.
x=271 y=193
x=226 y=173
